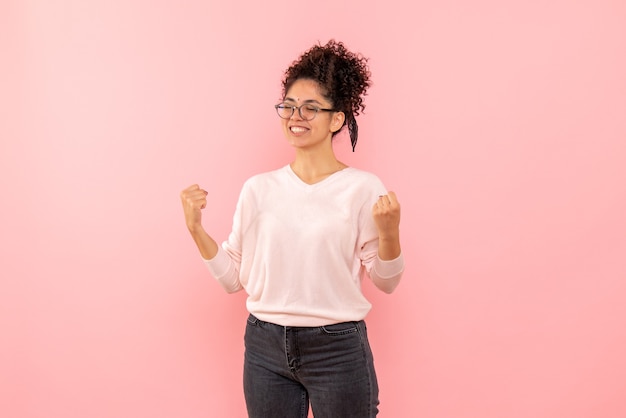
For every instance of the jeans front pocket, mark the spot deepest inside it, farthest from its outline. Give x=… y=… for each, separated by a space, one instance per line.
x=342 y=328
x=253 y=320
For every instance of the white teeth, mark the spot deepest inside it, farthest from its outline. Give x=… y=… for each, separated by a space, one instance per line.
x=297 y=129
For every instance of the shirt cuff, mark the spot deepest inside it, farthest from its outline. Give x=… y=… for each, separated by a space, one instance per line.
x=220 y=264
x=387 y=269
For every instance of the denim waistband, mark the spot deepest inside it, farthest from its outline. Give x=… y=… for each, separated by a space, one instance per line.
x=254 y=320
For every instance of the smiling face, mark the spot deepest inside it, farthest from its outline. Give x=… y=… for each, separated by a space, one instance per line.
x=312 y=133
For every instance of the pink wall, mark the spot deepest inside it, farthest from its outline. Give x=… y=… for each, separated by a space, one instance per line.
x=501 y=125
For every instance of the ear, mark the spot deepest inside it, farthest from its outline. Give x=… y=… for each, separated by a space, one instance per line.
x=337 y=121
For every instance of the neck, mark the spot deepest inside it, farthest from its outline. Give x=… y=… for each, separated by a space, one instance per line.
x=313 y=167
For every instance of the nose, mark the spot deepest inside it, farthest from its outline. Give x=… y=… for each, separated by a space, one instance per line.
x=296 y=114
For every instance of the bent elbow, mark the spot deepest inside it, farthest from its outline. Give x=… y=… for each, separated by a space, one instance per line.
x=386 y=285
x=231 y=290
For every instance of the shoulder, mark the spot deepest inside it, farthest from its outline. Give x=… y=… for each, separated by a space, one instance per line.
x=364 y=178
x=362 y=174
x=266 y=179
x=360 y=187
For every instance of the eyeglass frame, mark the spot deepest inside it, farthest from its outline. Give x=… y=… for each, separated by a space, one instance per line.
x=293 y=110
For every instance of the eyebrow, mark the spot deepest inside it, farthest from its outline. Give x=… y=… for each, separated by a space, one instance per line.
x=289 y=99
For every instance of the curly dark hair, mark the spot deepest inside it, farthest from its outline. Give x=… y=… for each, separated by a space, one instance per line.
x=343 y=77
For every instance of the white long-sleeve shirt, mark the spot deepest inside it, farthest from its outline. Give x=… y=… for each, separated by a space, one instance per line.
x=300 y=250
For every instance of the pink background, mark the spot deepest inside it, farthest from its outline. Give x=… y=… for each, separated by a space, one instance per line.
x=500 y=124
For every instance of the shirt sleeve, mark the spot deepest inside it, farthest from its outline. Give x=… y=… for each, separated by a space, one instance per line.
x=226 y=264
x=225 y=271
x=385 y=274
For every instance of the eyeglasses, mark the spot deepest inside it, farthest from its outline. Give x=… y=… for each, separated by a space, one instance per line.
x=307 y=111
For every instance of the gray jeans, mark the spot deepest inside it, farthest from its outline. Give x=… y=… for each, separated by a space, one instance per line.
x=331 y=367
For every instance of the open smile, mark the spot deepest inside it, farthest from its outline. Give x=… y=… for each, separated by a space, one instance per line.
x=298 y=130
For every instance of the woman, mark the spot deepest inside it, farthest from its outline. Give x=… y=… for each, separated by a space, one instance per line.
x=303 y=236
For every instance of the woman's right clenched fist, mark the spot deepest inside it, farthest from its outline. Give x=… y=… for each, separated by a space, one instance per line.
x=194 y=200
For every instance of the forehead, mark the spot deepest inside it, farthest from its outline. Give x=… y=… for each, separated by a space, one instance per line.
x=305 y=90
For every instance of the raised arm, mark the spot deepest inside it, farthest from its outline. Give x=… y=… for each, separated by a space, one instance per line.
x=386 y=213
x=387 y=268
x=194 y=200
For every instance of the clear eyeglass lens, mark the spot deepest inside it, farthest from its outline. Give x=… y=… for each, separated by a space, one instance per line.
x=308 y=112
x=284 y=111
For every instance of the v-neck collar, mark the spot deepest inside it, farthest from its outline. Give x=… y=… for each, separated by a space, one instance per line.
x=328 y=179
